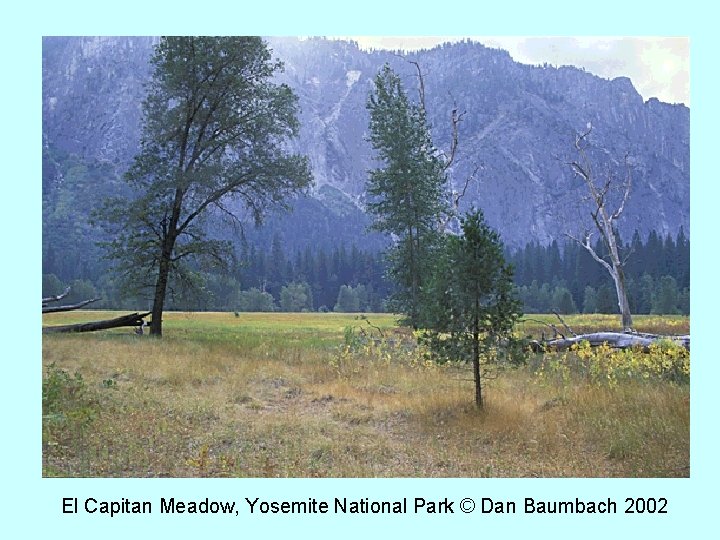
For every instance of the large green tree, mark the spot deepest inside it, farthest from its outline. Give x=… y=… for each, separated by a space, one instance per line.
x=405 y=194
x=473 y=308
x=214 y=140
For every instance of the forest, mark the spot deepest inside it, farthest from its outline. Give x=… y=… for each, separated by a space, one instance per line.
x=560 y=277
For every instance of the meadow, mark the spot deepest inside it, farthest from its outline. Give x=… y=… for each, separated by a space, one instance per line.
x=336 y=395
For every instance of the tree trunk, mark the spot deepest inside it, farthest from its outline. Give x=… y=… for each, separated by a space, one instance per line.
x=159 y=298
x=168 y=245
x=414 y=315
x=623 y=302
x=618 y=273
x=476 y=357
x=161 y=287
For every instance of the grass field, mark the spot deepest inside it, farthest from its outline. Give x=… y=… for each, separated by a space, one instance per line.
x=324 y=395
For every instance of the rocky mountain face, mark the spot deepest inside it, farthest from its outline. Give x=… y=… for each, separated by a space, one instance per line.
x=517 y=132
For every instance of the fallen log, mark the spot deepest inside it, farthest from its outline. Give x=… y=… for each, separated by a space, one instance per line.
x=55 y=298
x=68 y=307
x=133 y=319
x=615 y=340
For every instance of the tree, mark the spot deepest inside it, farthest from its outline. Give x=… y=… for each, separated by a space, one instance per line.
x=666 y=299
x=590 y=300
x=348 y=300
x=605 y=301
x=406 y=194
x=562 y=301
x=214 y=133
x=474 y=309
x=255 y=300
x=296 y=297
x=646 y=292
x=604 y=219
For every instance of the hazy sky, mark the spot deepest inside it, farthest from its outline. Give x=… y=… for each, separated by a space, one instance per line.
x=658 y=66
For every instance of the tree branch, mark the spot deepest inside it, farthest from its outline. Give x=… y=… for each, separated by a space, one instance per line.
x=563 y=323
x=421 y=79
x=626 y=194
x=589 y=248
x=455 y=120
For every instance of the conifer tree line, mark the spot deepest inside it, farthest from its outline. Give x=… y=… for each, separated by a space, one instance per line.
x=344 y=279
x=565 y=278
x=261 y=278
x=559 y=276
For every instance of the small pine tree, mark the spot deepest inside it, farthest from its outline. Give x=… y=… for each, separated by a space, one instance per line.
x=606 y=300
x=474 y=308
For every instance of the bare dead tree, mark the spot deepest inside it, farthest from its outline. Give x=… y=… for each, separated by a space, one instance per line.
x=455 y=119
x=421 y=81
x=604 y=220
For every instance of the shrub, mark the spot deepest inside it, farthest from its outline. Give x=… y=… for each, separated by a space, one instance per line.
x=67 y=405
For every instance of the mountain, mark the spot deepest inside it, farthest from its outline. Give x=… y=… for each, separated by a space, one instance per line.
x=517 y=133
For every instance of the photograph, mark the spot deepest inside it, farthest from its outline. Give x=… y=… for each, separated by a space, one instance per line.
x=365 y=257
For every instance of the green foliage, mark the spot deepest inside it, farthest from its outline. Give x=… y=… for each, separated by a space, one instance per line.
x=81 y=289
x=296 y=297
x=405 y=195
x=542 y=270
x=589 y=300
x=255 y=300
x=666 y=298
x=606 y=300
x=68 y=407
x=348 y=300
x=72 y=187
x=472 y=286
x=214 y=132
x=473 y=309
x=60 y=391
x=562 y=301
x=51 y=285
x=351 y=339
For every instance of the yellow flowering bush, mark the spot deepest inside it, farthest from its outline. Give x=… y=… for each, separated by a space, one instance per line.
x=365 y=353
x=664 y=360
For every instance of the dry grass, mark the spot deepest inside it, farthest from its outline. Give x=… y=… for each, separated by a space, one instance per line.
x=273 y=396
